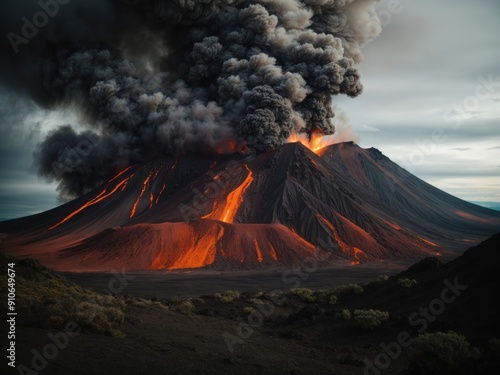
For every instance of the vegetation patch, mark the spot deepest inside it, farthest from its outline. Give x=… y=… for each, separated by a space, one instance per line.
x=440 y=351
x=370 y=319
x=51 y=301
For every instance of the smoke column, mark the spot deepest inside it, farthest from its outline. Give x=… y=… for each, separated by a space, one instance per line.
x=157 y=77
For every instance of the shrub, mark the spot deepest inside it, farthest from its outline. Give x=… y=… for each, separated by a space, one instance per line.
x=407 y=283
x=333 y=300
x=149 y=303
x=382 y=278
x=176 y=300
x=258 y=295
x=321 y=295
x=185 y=308
x=304 y=294
x=52 y=301
x=256 y=301
x=370 y=319
x=248 y=310
x=345 y=314
x=440 y=351
x=227 y=296
x=346 y=290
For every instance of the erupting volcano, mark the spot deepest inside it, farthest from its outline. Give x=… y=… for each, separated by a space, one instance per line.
x=344 y=204
x=204 y=139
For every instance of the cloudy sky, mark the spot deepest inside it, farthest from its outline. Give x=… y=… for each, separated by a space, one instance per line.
x=421 y=77
x=425 y=105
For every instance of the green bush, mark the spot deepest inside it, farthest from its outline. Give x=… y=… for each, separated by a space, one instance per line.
x=258 y=295
x=227 y=296
x=407 y=283
x=345 y=314
x=439 y=352
x=304 y=294
x=322 y=295
x=52 y=301
x=346 y=290
x=256 y=301
x=276 y=294
x=49 y=300
x=370 y=319
x=148 y=303
x=185 y=308
x=382 y=278
x=333 y=300
x=248 y=310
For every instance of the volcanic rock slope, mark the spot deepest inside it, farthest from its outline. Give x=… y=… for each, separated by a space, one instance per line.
x=343 y=203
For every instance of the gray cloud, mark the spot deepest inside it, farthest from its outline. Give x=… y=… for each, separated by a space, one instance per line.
x=222 y=70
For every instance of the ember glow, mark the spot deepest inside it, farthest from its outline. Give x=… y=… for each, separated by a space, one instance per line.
x=228 y=211
x=259 y=252
x=316 y=142
x=144 y=186
x=346 y=249
x=103 y=195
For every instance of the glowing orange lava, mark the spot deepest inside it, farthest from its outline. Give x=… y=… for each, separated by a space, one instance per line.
x=357 y=253
x=188 y=248
x=316 y=142
x=151 y=199
x=394 y=226
x=97 y=199
x=229 y=147
x=428 y=242
x=346 y=249
x=165 y=184
x=343 y=246
x=272 y=252
x=302 y=240
x=234 y=199
x=144 y=186
x=259 y=252
x=119 y=174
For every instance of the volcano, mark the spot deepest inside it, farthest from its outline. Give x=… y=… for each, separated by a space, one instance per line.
x=341 y=204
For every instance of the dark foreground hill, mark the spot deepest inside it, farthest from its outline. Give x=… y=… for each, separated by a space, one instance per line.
x=298 y=331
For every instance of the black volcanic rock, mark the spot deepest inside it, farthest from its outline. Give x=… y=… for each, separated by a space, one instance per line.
x=266 y=211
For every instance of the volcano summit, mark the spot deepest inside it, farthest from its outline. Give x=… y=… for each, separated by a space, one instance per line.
x=270 y=210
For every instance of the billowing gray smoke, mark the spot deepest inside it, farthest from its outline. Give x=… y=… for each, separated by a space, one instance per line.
x=156 y=77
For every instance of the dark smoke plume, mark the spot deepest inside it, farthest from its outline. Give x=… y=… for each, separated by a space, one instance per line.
x=152 y=77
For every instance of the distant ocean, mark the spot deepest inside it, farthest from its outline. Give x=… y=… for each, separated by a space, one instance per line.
x=492 y=205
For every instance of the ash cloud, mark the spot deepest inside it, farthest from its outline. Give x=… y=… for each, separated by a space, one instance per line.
x=174 y=76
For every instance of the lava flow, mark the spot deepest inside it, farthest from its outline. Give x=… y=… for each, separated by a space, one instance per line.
x=340 y=196
x=227 y=212
x=97 y=199
x=144 y=186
